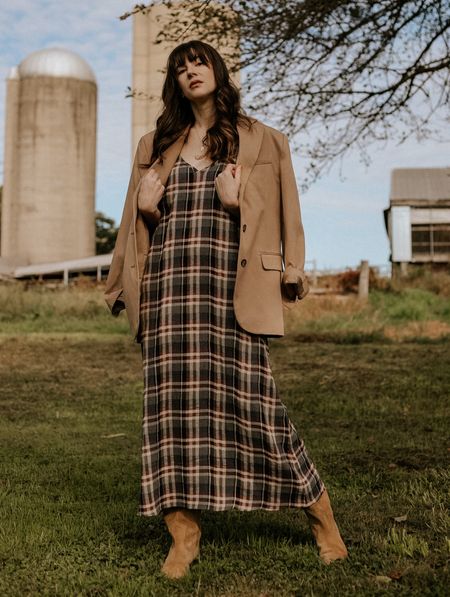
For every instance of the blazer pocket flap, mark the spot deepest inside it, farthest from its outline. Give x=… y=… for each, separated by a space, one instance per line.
x=272 y=261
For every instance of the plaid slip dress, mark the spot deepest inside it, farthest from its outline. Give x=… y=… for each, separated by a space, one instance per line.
x=215 y=434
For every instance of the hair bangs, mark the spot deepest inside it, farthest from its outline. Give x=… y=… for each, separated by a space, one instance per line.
x=190 y=51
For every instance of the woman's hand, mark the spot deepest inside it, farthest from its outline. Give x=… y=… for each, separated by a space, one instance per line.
x=150 y=194
x=291 y=289
x=227 y=186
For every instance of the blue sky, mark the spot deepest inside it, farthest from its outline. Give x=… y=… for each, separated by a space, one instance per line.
x=342 y=213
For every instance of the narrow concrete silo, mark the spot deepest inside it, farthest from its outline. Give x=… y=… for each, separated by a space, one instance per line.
x=48 y=211
x=150 y=58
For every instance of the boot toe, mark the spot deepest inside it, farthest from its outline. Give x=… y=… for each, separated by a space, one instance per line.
x=174 y=570
x=330 y=555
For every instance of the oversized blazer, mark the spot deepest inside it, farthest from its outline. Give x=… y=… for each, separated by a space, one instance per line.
x=271 y=239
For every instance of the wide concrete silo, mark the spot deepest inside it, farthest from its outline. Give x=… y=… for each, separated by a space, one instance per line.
x=48 y=211
x=150 y=58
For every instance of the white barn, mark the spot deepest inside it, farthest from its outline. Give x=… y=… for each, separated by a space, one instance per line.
x=418 y=217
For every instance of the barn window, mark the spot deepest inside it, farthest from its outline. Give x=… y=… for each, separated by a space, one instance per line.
x=431 y=239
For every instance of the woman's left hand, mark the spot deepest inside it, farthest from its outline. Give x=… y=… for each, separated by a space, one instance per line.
x=227 y=186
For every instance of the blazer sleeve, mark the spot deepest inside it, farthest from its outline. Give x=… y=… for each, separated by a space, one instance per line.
x=292 y=234
x=113 y=293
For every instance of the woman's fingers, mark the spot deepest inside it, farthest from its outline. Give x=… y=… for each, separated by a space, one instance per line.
x=151 y=192
x=151 y=181
x=234 y=169
x=227 y=185
x=151 y=177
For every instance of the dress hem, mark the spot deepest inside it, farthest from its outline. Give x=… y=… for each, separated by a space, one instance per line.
x=204 y=506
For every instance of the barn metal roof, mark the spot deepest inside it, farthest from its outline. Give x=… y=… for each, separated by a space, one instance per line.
x=427 y=184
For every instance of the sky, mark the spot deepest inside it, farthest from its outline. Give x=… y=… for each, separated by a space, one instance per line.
x=342 y=213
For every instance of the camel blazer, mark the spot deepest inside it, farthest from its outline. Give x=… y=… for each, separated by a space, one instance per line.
x=271 y=247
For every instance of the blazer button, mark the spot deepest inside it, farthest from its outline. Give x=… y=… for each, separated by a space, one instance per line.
x=244 y=227
x=243 y=262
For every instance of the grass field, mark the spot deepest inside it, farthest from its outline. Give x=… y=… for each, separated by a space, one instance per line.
x=402 y=313
x=372 y=407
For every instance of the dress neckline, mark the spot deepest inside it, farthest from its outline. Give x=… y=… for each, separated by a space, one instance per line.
x=194 y=168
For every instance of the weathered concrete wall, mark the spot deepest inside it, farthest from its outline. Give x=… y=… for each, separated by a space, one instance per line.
x=50 y=160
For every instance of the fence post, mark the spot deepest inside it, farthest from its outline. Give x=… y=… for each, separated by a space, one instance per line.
x=363 y=285
x=314 y=273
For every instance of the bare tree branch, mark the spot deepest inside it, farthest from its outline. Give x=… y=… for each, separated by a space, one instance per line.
x=336 y=75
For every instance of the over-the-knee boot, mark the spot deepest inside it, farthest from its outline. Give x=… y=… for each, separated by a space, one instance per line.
x=184 y=526
x=325 y=530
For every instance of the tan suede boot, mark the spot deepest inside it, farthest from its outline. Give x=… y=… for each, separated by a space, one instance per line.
x=325 y=530
x=184 y=527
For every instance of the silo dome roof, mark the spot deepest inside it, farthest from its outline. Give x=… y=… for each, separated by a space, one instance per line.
x=56 y=62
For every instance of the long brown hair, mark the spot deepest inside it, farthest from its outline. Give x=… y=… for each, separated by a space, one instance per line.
x=222 y=139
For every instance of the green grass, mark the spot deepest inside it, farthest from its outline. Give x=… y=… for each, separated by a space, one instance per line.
x=411 y=304
x=374 y=417
x=35 y=310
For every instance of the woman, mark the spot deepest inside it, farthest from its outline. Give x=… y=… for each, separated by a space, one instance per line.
x=198 y=268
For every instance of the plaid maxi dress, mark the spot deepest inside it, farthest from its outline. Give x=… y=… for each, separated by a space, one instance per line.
x=215 y=433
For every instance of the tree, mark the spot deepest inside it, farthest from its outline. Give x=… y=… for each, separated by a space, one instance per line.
x=106 y=234
x=337 y=75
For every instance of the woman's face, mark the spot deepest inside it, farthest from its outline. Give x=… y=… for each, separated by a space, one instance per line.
x=196 y=79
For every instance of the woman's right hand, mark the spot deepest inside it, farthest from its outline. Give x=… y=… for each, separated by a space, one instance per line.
x=150 y=194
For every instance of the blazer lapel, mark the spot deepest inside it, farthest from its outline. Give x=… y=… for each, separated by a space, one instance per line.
x=249 y=146
x=142 y=237
x=170 y=157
